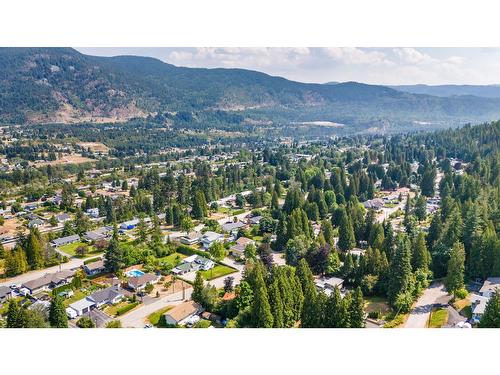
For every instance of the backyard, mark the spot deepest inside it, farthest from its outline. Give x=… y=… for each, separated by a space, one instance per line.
x=70 y=249
x=154 y=318
x=218 y=271
x=120 y=308
x=172 y=259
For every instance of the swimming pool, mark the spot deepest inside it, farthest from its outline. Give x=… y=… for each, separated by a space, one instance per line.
x=134 y=273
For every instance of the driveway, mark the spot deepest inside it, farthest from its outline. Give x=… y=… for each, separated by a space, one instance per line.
x=137 y=318
x=435 y=294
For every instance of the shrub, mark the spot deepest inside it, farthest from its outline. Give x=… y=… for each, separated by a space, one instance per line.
x=85 y=322
x=397 y=321
x=114 y=324
x=375 y=314
x=461 y=293
x=125 y=309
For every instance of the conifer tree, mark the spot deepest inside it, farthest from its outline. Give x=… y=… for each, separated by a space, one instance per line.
x=357 y=310
x=198 y=286
x=400 y=275
x=421 y=258
x=346 y=232
x=276 y=305
x=57 y=313
x=456 y=265
x=491 y=316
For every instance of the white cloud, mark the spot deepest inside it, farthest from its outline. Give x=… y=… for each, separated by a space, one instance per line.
x=350 y=55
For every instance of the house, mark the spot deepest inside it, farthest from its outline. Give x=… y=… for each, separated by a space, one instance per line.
x=375 y=204
x=102 y=233
x=65 y=240
x=49 y=281
x=489 y=287
x=329 y=284
x=478 y=305
x=191 y=238
x=62 y=218
x=94 y=268
x=238 y=250
x=209 y=238
x=254 y=220
x=193 y=263
x=5 y=293
x=35 y=223
x=139 y=282
x=107 y=296
x=232 y=227
x=228 y=296
x=181 y=314
x=357 y=251
x=214 y=318
x=131 y=224
x=80 y=307
x=93 y=212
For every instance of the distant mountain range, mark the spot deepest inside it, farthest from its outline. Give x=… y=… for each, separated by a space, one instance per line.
x=41 y=85
x=485 y=91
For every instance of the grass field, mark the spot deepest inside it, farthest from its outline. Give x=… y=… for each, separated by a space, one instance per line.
x=438 y=318
x=173 y=259
x=154 y=318
x=218 y=271
x=463 y=306
x=113 y=309
x=378 y=304
x=70 y=249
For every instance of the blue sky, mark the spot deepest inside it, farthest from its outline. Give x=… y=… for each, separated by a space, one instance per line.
x=369 y=65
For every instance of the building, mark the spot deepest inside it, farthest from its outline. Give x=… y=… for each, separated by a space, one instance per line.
x=5 y=293
x=99 y=234
x=62 y=218
x=209 y=238
x=79 y=308
x=375 y=204
x=238 y=250
x=191 y=238
x=489 y=287
x=49 y=281
x=232 y=227
x=131 y=224
x=181 y=314
x=107 y=296
x=193 y=263
x=35 y=223
x=254 y=220
x=138 y=283
x=327 y=285
x=65 y=240
x=478 y=305
x=94 y=268
x=93 y=212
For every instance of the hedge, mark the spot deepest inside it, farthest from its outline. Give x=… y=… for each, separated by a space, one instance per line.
x=61 y=288
x=188 y=250
x=126 y=308
x=91 y=260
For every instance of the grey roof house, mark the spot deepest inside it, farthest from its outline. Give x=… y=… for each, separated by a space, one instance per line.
x=65 y=240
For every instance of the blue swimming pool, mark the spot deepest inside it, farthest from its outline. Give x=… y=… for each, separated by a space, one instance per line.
x=134 y=273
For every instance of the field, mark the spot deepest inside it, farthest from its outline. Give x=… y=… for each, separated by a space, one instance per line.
x=218 y=271
x=438 y=318
x=67 y=159
x=463 y=306
x=377 y=304
x=95 y=147
x=172 y=259
x=70 y=249
x=113 y=309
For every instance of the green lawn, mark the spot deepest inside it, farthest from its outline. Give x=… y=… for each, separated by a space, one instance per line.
x=154 y=318
x=77 y=296
x=438 y=318
x=113 y=309
x=218 y=271
x=173 y=259
x=379 y=304
x=70 y=249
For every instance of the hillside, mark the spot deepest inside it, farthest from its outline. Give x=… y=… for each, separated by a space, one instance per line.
x=40 y=85
x=485 y=91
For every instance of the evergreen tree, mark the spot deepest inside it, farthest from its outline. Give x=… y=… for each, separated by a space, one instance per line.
x=421 y=258
x=420 y=208
x=57 y=313
x=276 y=304
x=357 y=310
x=346 y=232
x=491 y=316
x=142 y=229
x=308 y=316
x=400 y=275
x=34 y=249
x=113 y=259
x=198 y=286
x=262 y=316
x=199 y=210
x=14 y=315
x=455 y=276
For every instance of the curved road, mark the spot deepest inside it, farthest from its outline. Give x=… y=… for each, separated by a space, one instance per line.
x=435 y=294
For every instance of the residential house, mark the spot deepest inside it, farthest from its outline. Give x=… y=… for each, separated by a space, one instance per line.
x=357 y=251
x=375 y=204
x=5 y=293
x=193 y=263
x=138 y=283
x=80 y=307
x=102 y=233
x=35 y=223
x=238 y=250
x=182 y=313
x=489 y=287
x=209 y=238
x=107 y=296
x=49 y=281
x=62 y=218
x=478 y=305
x=191 y=238
x=65 y=240
x=94 y=268
x=327 y=285
x=232 y=227
x=254 y=220
x=93 y=212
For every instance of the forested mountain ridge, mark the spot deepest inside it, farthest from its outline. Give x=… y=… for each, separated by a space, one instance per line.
x=41 y=85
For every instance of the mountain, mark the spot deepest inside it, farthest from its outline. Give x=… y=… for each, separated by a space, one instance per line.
x=41 y=85
x=485 y=91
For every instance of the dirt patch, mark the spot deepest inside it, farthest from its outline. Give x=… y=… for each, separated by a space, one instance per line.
x=10 y=227
x=66 y=159
x=95 y=147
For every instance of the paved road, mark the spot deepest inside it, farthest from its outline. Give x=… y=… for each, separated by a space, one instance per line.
x=73 y=263
x=434 y=294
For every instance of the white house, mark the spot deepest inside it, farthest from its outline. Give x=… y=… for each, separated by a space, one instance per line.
x=489 y=287
x=191 y=238
x=182 y=313
x=211 y=237
x=80 y=307
x=478 y=306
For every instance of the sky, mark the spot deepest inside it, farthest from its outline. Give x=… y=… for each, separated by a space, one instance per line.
x=387 y=66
